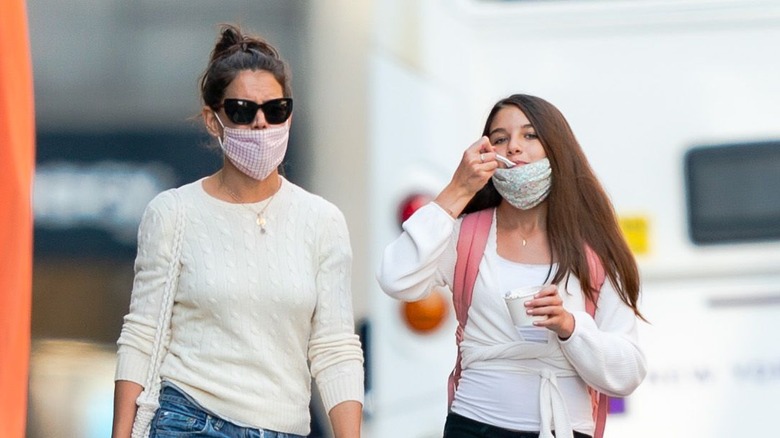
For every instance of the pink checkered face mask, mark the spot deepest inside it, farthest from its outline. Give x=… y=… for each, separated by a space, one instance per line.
x=256 y=152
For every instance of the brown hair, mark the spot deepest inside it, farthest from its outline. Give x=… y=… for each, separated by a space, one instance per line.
x=234 y=52
x=579 y=210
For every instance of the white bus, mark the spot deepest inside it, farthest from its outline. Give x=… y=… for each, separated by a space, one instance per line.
x=677 y=106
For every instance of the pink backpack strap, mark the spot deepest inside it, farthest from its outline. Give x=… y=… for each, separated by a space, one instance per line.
x=474 y=231
x=599 y=401
x=597 y=277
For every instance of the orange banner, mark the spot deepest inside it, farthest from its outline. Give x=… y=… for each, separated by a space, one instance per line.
x=17 y=160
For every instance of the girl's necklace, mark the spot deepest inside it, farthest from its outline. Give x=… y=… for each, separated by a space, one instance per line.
x=259 y=215
x=523 y=238
x=525 y=241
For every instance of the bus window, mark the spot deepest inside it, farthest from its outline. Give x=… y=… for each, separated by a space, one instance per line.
x=733 y=192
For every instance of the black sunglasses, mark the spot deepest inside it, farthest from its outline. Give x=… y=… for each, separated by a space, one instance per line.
x=243 y=112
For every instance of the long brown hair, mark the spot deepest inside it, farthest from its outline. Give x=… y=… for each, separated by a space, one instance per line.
x=579 y=210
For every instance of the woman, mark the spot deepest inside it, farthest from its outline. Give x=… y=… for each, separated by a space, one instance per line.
x=264 y=281
x=548 y=211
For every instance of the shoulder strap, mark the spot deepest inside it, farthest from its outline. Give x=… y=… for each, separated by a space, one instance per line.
x=474 y=231
x=597 y=277
x=599 y=401
x=472 y=241
x=148 y=399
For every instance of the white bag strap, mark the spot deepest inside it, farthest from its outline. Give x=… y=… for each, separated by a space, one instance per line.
x=148 y=399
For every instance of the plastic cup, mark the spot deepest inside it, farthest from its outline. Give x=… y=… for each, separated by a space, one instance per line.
x=515 y=301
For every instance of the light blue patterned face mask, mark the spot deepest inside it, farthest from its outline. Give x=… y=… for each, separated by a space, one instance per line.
x=526 y=186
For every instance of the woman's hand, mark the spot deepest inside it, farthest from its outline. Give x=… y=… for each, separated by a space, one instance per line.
x=548 y=302
x=475 y=168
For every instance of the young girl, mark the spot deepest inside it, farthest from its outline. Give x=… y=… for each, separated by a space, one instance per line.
x=547 y=212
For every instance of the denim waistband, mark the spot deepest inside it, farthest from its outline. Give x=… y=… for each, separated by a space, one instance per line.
x=173 y=395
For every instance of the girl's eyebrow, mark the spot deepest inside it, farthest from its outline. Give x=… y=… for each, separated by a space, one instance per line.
x=526 y=126
x=497 y=130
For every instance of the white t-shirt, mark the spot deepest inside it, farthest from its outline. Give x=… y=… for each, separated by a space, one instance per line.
x=510 y=399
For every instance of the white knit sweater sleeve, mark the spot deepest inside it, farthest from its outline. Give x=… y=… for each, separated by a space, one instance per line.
x=334 y=348
x=155 y=242
x=605 y=351
x=422 y=257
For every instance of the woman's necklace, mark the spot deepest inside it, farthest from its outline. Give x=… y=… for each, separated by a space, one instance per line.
x=259 y=215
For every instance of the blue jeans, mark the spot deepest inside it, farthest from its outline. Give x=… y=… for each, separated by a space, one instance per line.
x=180 y=416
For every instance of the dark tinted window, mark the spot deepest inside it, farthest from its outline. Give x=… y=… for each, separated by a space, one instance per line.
x=733 y=192
x=91 y=188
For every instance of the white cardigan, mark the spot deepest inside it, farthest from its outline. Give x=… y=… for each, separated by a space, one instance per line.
x=604 y=353
x=256 y=315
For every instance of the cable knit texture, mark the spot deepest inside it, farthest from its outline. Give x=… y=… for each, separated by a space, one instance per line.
x=604 y=352
x=256 y=315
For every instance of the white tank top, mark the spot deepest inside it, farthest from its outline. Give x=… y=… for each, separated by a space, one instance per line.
x=510 y=399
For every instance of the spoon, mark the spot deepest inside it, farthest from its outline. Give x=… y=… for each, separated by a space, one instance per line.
x=508 y=163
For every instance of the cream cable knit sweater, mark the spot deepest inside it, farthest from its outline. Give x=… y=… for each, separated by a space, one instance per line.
x=256 y=315
x=604 y=353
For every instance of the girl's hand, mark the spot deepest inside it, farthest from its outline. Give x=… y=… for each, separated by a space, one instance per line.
x=476 y=167
x=547 y=302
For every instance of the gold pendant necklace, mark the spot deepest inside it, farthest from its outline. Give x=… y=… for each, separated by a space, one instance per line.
x=259 y=215
x=523 y=239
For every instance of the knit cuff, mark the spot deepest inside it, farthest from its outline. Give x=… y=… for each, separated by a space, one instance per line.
x=131 y=365
x=582 y=322
x=347 y=386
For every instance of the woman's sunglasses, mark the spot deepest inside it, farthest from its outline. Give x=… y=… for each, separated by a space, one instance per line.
x=243 y=112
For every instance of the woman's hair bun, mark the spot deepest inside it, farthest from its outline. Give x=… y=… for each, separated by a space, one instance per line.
x=234 y=52
x=233 y=40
